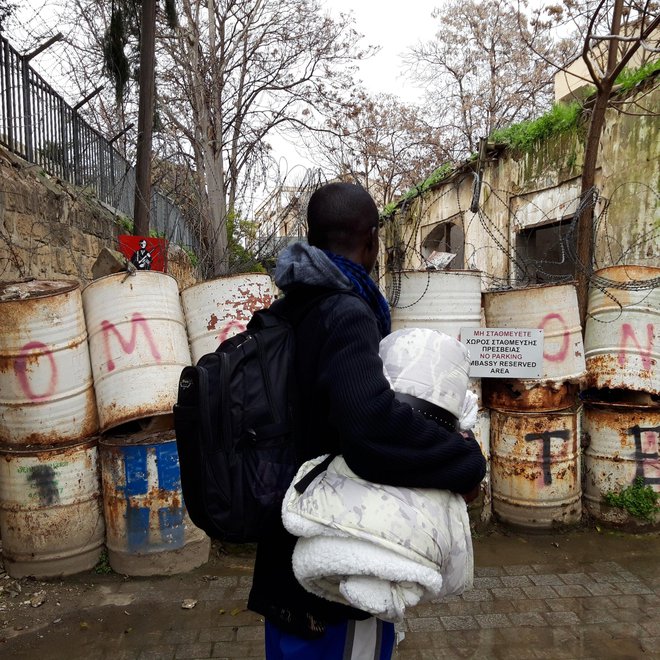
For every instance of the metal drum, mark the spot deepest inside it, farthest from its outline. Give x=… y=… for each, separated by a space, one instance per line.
x=535 y=468
x=481 y=509
x=138 y=345
x=220 y=308
x=51 y=518
x=149 y=531
x=622 y=444
x=46 y=389
x=554 y=310
x=622 y=334
x=444 y=300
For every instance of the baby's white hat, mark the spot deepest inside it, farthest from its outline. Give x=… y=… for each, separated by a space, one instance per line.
x=430 y=365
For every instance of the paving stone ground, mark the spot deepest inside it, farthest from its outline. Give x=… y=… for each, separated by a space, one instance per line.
x=584 y=594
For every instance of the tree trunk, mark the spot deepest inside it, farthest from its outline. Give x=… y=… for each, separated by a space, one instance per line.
x=142 y=202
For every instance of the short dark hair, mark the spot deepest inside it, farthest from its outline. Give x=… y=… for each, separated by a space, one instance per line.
x=339 y=215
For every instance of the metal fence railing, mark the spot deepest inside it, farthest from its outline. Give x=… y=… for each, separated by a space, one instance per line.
x=38 y=125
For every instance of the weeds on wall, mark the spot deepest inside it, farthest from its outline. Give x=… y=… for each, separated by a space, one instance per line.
x=560 y=119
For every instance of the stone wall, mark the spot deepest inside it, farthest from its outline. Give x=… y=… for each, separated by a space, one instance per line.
x=50 y=229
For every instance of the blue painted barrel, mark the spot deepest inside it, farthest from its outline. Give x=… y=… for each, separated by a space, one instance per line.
x=148 y=530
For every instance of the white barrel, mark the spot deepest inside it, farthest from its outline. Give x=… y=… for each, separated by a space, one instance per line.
x=551 y=308
x=221 y=308
x=444 y=300
x=149 y=531
x=138 y=345
x=46 y=389
x=622 y=445
x=536 y=468
x=622 y=334
x=51 y=518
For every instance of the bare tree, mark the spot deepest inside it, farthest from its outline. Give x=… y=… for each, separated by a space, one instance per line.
x=609 y=34
x=236 y=71
x=380 y=142
x=480 y=72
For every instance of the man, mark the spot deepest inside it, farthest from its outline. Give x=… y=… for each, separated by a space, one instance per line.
x=346 y=406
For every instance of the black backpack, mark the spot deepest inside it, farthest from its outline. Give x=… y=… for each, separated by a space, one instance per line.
x=235 y=426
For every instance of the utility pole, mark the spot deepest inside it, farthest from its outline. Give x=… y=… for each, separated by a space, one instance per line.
x=142 y=204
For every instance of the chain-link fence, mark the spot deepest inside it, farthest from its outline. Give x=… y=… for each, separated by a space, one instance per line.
x=38 y=125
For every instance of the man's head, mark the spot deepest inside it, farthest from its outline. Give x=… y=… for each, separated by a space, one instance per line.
x=143 y=244
x=343 y=218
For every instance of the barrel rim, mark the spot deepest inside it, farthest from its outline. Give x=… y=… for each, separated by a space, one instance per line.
x=223 y=277
x=125 y=275
x=23 y=450
x=546 y=285
x=654 y=271
x=67 y=287
x=138 y=438
x=462 y=271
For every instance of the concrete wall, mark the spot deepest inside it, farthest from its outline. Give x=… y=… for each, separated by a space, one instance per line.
x=51 y=230
x=523 y=190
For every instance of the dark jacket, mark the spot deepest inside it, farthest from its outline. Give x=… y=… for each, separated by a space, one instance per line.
x=348 y=407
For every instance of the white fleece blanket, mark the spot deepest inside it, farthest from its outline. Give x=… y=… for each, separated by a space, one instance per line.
x=378 y=548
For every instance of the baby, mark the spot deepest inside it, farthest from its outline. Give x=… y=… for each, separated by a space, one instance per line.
x=383 y=548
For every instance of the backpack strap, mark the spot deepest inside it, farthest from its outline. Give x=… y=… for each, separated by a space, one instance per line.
x=302 y=484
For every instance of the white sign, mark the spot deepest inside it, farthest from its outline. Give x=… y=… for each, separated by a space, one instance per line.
x=504 y=352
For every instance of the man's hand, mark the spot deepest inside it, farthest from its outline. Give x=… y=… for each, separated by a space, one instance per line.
x=472 y=495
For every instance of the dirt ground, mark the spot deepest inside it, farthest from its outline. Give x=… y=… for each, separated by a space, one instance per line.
x=28 y=604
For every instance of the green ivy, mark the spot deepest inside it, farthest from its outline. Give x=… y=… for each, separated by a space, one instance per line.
x=433 y=179
x=638 y=500
x=628 y=78
x=561 y=118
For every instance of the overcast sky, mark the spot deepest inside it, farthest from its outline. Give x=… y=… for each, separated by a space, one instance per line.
x=393 y=25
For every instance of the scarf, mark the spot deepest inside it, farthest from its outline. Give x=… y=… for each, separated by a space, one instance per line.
x=366 y=288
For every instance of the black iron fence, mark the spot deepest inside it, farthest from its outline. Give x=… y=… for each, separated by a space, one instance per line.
x=38 y=125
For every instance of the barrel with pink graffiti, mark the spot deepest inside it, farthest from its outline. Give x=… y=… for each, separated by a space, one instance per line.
x=138 y=345
x=221 y=308
x=46 y=390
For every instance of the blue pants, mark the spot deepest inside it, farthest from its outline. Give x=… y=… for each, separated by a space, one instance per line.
x=371 y=639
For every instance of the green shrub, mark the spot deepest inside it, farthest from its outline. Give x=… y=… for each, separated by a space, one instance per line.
x=638 y=500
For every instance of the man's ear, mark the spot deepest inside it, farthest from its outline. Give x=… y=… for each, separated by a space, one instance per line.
x=373 y=237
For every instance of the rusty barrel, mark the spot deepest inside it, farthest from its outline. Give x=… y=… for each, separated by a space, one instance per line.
x=553 y=309
x=138 y=345
x=480 y=510
x=51 y=516
x=148 y=528
x=622 y=446
x=220 y=308
x=536 y=468
x=46 y=390
x=622 y=333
